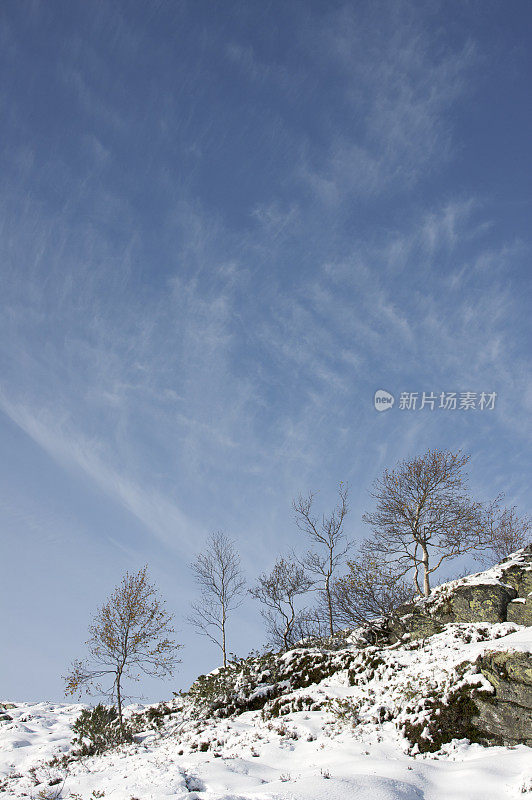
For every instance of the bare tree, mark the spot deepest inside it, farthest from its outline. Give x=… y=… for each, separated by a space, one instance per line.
x=278 y=592
x=327 y=534
x=129 y=635
x=313 y=623
x=507 y=533
x=370 y=589
x=218 y=573
x=424 y=516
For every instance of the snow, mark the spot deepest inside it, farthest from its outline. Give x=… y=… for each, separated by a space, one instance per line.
x=494 y=575
x=305 y=755
x=520 y=641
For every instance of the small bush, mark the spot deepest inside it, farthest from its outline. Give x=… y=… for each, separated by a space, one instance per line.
x=152 y=717
x=283 y=705
x=364 y=667
x=447 y=719
x=345 y=710
x=98 y=730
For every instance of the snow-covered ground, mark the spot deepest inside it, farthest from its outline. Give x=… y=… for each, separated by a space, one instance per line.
x=340 y=752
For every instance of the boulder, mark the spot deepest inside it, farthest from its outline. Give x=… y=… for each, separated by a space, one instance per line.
x=510 y=674
x=414 y=619
x=504 y=723
x=455 y=602
x=520 y=611
x=517 y=572
x=479 y=602
x=507 y=715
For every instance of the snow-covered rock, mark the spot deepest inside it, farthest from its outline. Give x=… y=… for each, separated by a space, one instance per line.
x=502 y=593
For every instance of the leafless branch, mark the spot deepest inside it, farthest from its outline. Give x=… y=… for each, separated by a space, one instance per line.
x=279 y=592
x=327 y=535
x=370 y=589
x=218 y=574
x=423 y=512
x=507 y=533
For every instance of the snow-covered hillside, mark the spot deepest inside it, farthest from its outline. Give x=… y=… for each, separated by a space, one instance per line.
x=346 y=742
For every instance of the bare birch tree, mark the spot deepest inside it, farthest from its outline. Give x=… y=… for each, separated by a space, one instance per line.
x=279 y=592
x=129 y=635
x=327 y=534
x=218 y=573
x=508 y=533
x=424 y=516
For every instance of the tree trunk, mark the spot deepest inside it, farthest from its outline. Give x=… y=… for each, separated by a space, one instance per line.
x=329 y=606
x=286 y=632
x=119 y=702
x=425 y=561
x=289 y=626
x=416 y=582
x=223 y=644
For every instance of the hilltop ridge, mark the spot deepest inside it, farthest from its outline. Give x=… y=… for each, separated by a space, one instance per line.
x=412 y=706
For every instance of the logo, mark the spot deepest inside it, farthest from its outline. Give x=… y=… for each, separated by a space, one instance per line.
x=383 y=400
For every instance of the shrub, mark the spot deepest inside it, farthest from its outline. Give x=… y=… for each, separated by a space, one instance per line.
x=364 y=667
x=345 y=710
x=281 y=706
x=447 y=718
x=98 y=730
x=152 y=717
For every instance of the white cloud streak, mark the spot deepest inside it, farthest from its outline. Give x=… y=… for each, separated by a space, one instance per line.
x=399 y=86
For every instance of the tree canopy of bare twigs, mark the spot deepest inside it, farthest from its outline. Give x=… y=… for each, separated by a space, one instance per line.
x=327 y=535
x=278 y=592
x=508 y=533
x=424 y=516
x=218 y=574
x=370 y=589
x=129 y=635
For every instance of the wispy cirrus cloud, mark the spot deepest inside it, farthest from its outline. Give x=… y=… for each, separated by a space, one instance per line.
x=73 y=450
x=399 y=83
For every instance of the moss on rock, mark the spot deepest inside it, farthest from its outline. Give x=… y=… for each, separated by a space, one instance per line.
x=508 y=714
x=519 y=574
x=478 y=602
x=520 y=611
x=510 y=673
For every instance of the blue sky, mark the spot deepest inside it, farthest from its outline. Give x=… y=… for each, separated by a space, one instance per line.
x=223 y=227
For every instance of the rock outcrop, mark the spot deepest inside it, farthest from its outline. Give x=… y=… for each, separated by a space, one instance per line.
x=507 y=717
x=501 y=594
x=478 y=602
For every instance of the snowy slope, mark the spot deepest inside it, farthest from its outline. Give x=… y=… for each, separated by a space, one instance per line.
x=352 y=747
